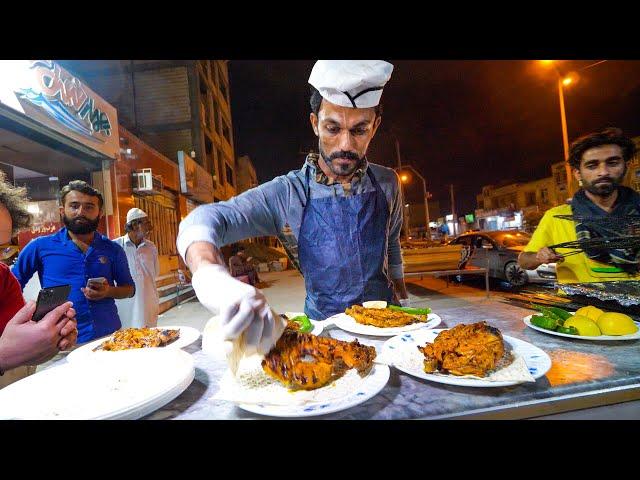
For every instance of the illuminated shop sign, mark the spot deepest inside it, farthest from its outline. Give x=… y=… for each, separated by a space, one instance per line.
x=45 y=91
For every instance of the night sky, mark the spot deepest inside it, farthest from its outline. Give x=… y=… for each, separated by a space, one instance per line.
x=466 y=122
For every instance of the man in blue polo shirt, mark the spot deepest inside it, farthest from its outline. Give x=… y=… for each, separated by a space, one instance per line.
x=77 y=253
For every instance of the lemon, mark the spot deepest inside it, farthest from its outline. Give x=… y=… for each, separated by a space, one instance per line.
x=375 y=304
x=591 y=312
x=586 y=327
x=612 y=323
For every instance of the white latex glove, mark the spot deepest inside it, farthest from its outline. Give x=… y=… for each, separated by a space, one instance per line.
x=404 y=302
x=241 y=307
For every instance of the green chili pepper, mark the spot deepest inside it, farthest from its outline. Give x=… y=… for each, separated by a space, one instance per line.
x=410 y=311
x=547 y=312
x=561 y=313
x=545 y=322
x=568 y=330
x=305 y=324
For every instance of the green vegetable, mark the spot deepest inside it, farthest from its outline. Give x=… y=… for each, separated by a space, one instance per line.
x=545 y=322
x=568 y=330
x=561 y=313
x=410 y=311
x=547 y=312
x=305 y=324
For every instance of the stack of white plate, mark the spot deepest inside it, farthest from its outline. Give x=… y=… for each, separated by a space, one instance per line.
x=127 y=384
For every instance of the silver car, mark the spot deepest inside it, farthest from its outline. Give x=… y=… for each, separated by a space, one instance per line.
x=499 y=251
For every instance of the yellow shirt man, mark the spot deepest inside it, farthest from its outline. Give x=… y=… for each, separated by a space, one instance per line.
x=575 y=268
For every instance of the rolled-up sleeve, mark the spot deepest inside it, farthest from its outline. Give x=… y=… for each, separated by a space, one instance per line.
x=260 y=211
x=394 y=253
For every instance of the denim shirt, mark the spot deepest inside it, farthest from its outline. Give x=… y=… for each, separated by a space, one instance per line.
x=275 y=209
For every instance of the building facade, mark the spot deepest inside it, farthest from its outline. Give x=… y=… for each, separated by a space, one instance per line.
x=173 y=105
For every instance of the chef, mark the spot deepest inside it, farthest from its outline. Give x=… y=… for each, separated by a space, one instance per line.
x=344 y=212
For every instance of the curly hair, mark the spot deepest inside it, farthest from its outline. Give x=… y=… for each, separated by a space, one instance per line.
x=608 y=136
x=15 y=200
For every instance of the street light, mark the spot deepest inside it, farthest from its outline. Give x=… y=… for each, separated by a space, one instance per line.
x=565 y=81
x=405 y=179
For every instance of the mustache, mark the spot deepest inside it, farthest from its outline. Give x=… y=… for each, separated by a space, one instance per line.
x=344 y=154
x=604 y=179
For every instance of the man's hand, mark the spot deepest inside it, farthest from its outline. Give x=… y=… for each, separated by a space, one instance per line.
x=546 y=255
x=69 y=332
x=25 y=342
x=242 y=308
x=96 y=291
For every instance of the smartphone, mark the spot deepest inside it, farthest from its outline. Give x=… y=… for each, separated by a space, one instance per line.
x=50 y=298
x=96 y=282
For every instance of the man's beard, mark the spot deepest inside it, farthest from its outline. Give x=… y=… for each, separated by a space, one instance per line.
x=602 y=189
x=80 y=227
x=342 y=169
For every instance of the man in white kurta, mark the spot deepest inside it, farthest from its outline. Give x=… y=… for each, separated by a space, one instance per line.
x=141 y=310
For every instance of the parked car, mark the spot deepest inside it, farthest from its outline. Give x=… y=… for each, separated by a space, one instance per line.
x=499 y=251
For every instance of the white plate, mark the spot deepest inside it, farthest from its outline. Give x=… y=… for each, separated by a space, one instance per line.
x=349 y=324
x=399 y=347
x=127 y=384
x=368 y=388
x=188 y=335
x=631 y=336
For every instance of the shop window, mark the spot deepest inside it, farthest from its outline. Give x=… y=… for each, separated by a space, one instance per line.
x=165 y=220
x=530 y=198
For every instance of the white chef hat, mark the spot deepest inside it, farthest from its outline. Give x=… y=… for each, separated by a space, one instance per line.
x=351 y=83
x=135 y=214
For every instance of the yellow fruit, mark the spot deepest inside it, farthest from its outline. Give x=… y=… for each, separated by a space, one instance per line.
x=586 y=327
x=612 y=323
x=591 y=312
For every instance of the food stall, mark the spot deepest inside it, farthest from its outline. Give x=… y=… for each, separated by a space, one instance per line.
x=583 y=374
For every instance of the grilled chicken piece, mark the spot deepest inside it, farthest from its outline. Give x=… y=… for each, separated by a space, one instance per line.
x=474 y=349
x=383 y=317
x=306 y=362
x=139 y=338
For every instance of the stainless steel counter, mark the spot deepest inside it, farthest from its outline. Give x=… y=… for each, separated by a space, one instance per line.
x=584 y=374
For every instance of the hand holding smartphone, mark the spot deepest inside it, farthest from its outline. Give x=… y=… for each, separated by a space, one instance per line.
x=50 y=298
x=96 y=283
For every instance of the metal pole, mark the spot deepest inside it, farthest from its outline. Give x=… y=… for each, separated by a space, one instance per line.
x=565 y=138
x=426 y=208
x=453 y=211
x=405 y=216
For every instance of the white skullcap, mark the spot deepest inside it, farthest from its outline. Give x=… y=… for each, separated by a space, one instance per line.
x=351 y=83
x=135 y=214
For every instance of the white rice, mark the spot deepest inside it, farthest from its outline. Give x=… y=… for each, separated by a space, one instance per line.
x=252 y=385
x=410 y=358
